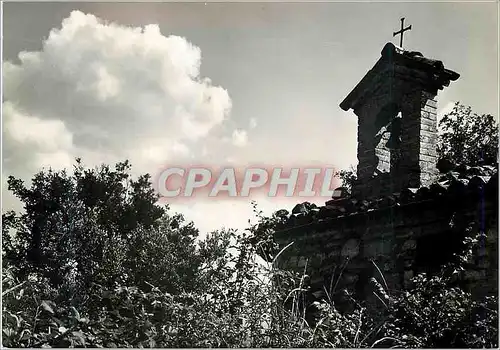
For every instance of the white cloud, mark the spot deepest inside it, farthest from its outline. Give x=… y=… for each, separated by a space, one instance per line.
x=106 y=92
x=97 y=87
x=48 y=135
x=240 y=138
x=104 y=87
x=30 y=142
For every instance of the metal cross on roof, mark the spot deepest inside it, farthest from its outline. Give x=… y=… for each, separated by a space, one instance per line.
x=403 y=29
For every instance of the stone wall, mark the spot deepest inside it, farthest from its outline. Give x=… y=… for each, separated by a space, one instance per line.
x=400 y=238
x=395 y=103
x=403 y=218
x=409 y=163
x=419 y=139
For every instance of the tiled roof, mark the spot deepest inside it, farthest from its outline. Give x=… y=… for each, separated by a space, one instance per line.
x=429 y=64
x=460 y=185
x=431 y=71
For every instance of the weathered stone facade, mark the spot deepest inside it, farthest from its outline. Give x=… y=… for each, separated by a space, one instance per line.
x=397 y=122
x=402 y=234
x=403 y=217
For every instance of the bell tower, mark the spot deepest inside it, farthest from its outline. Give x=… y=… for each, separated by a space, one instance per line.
x=397 y=123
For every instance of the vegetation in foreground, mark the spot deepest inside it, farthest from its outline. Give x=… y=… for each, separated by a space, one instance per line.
x=94 y=262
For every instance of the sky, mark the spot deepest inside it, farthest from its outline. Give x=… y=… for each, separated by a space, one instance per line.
x=164 y=84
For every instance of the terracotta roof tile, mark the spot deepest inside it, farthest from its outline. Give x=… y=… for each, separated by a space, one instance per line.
x=457 y=185
x=430 y=70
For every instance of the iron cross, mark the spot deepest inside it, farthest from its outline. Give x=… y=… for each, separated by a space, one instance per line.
x=403 y=29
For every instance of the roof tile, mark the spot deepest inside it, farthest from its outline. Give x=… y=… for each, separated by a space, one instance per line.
x=455 y=185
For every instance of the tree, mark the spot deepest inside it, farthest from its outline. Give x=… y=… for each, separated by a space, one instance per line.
x=94 y=261
x=467 y=137
x=99 y=226
x=90 y=241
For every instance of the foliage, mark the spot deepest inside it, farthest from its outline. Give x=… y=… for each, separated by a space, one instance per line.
x=437 y=312
x=348 y=178
x=468 y=138
x=433 y=314
x=100 y=230
x=95 y=262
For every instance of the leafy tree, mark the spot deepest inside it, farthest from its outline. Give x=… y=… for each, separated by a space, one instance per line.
x=467 y=137
x=93 y=261
x=99 y=227
x=70 y=222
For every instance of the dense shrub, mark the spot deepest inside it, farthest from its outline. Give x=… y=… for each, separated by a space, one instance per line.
x=94 y=262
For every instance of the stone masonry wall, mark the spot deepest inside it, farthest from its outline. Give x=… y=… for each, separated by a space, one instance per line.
x=419 y=138
x=377 y=173
x=401 y=241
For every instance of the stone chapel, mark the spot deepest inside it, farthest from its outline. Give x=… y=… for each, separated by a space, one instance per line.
x=403 y=216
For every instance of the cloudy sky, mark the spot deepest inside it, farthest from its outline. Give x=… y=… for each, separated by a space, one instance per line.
x=215 y=83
